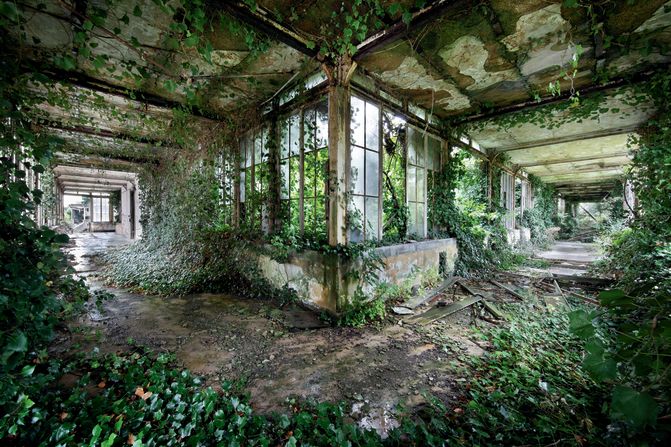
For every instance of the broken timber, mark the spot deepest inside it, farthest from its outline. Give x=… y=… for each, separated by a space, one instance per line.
x=417 y=301
x=437 y=313
x=508 y=289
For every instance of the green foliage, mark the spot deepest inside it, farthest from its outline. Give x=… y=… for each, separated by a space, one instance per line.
x=37 y=287
x=638 y=336
x=542 y=216
x=360 y=311
x=458 y=208
x=141 y=400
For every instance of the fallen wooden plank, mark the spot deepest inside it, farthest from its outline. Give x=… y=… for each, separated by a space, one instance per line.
x=436 y=313
x=582 y=280
x=584 y=298
x=494 y=310
x=417 y=301
x=508 y=289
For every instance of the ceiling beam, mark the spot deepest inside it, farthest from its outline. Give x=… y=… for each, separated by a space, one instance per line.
x=419 y=18
x=262 y=19
x=573 y=160
x=609 y=168
x=593 y=89
x=569 y=138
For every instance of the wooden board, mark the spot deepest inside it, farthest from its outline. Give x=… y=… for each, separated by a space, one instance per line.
x=436 y=313
x=417 y=301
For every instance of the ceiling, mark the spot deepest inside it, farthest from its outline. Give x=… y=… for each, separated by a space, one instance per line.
x=474 y=61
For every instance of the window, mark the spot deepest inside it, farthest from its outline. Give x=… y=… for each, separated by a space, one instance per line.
x=254 y=175
x=304 y=171
x=101 y=210
x=315 y=171
x=365 y=155
x=394 y=209
x=416 y=182
x=508 y=198
x=225 y=173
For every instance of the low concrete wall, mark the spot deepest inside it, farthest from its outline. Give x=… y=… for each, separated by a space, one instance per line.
x=102 y=226
x=322 y=281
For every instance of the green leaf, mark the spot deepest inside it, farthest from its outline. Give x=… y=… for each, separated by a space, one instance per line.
x=638 y=409
x=597 y=363
x=137 y=12
x=191 y=41
x=580 y=324
x=17 y=343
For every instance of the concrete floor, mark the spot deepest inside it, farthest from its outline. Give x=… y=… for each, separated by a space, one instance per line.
x=222 y=337
x=570 y=258
x=83 y=246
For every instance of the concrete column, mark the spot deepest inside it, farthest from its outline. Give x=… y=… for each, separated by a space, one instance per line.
x=338 y=114
x=138 y=204
x=629 y=198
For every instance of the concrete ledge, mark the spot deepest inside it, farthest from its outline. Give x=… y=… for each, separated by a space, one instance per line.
x=325 y=281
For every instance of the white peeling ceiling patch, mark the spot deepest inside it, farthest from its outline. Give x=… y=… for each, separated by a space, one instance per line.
x=468 y=55
x=228 y=58
x=660 y=19
x=537 y=26
x=593 y=147
x=411 y=75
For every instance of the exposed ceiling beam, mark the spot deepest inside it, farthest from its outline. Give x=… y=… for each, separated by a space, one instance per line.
x=419 y=18
x=586 y=91
x=569 y=138
x=573 y=160
x=262 y=19
x=609 y=168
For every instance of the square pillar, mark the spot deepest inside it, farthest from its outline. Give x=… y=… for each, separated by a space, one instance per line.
x=338 y=139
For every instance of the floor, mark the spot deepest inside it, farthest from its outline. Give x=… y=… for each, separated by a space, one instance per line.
x=570 y=258
x=222 y=337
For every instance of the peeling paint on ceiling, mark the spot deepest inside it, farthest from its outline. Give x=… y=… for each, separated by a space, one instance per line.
x=468 y=55
x=411 y=75
x=537 y=26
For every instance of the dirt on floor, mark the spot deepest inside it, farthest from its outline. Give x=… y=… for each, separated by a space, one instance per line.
x=282 y=353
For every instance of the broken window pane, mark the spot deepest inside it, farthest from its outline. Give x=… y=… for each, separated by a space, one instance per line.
x=357 y=170
x=357 y=127
x=372 y=126
x=372 y=173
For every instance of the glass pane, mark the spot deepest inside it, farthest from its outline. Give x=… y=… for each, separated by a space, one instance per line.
x=309 y=215
x=285 y=138
x=372 y=173
x=412 y=218
x=250 y=150
x=310 y=175
x=242 y=186
x=322 y=124
x=421 y=184
x=294 y=177
x=420 y=220
x=322 y=157
x=309 y=131
x=294 y=130
x=104 y=210
x=355 y=219
x=243 y=143
x=357 y=129
x=294 y=213
x=372 y=126
x=371 y=217
x=258 y=149
x=320 y=218
x=434 y=154
x=357 y=170
x=412 y=149
x=285 y=179
x=412 y=184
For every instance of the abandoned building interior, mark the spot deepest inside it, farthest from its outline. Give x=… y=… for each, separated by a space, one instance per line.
x=335 y=200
